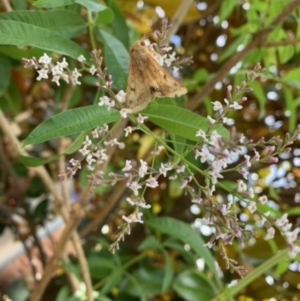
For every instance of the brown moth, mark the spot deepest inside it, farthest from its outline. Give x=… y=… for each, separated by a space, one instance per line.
x=147 y=79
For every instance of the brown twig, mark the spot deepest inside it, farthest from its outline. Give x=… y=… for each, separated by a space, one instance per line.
x=38 y=291
x=255 y=42
x=178 y=17
x=285 y=42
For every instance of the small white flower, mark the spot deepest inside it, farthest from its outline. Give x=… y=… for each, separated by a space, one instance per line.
x=228 y=121
x=84 y=151
x=124 y=112
x=87 y=141
x=151 y=182
x=242 y=186
x=263 y=199
x=180 y=169
x=197 y=200
x=90 y=160
x=93 y=70
x=270 y=233
x=280 y=222
x=74 y=77
x=252 y=207
x=143 y=168
x=56 y=79
x=211 y=120
x=204 y=154
x=244 y=172
x=164 y=168
x=247 y=162
x=45 y=59
x=43 y=73
x=135 y=186
x=56 y=70
x=141 y=119
x=242 y=139
x=128 y=130
x=236 y=106
x=121 y=96
x=201 y=134
x=217 y=106
x=81 y=59
x=132 y=203
x=106 y=101
x=62 y=65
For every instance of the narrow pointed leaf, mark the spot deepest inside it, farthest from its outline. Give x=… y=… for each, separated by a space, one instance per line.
x=72 y=122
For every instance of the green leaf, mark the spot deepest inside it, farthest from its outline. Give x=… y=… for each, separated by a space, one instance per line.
x=260 y=95
x=290 y=105
x=92 y=5
x=186 y=234
x=4 y=74
x=64 y=22
x=23 y=34
x=19 y=53
x=226 y=9
x=72 y=122
x=63 y=294
x=100 y=265
x=34 y=162
x=168 y=277
x=116 y=59
x=144 y=282
x=194 y=286
x=119 y=24
x=112 y=281
x=179 y=121
x=52 y=3
x=232 y=48
x=105 y=17
x=150 y=242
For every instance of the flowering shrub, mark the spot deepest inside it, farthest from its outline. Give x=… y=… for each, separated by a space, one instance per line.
x=216 y=153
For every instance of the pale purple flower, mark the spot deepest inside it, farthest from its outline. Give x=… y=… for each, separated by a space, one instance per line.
x=121 y=96
x=217 y=106
x=74 y=77
x=263 y=199
x=197 y=200
x=270 y=233
x=151 y=182
x=43 y=73
x=236 y=106
x=128 y=130
x=135 y=186
x=205 y=154
x=164 y=168
x=81 y=59
x=128 y=166
x=280 y=222
x=62 y=65
x=143 y=168
x=211 y=120
x=247 y=161
x=180 y=169
x=252 y=207
x=140 y=119
x=90 y=160
x=45 y=59
x=242 y=186
x=93 y=69
x=124 y=112
x=244 y=172
x=201 y=134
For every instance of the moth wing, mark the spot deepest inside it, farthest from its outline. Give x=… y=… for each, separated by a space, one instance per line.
x=148 y=80
x=138 y=95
